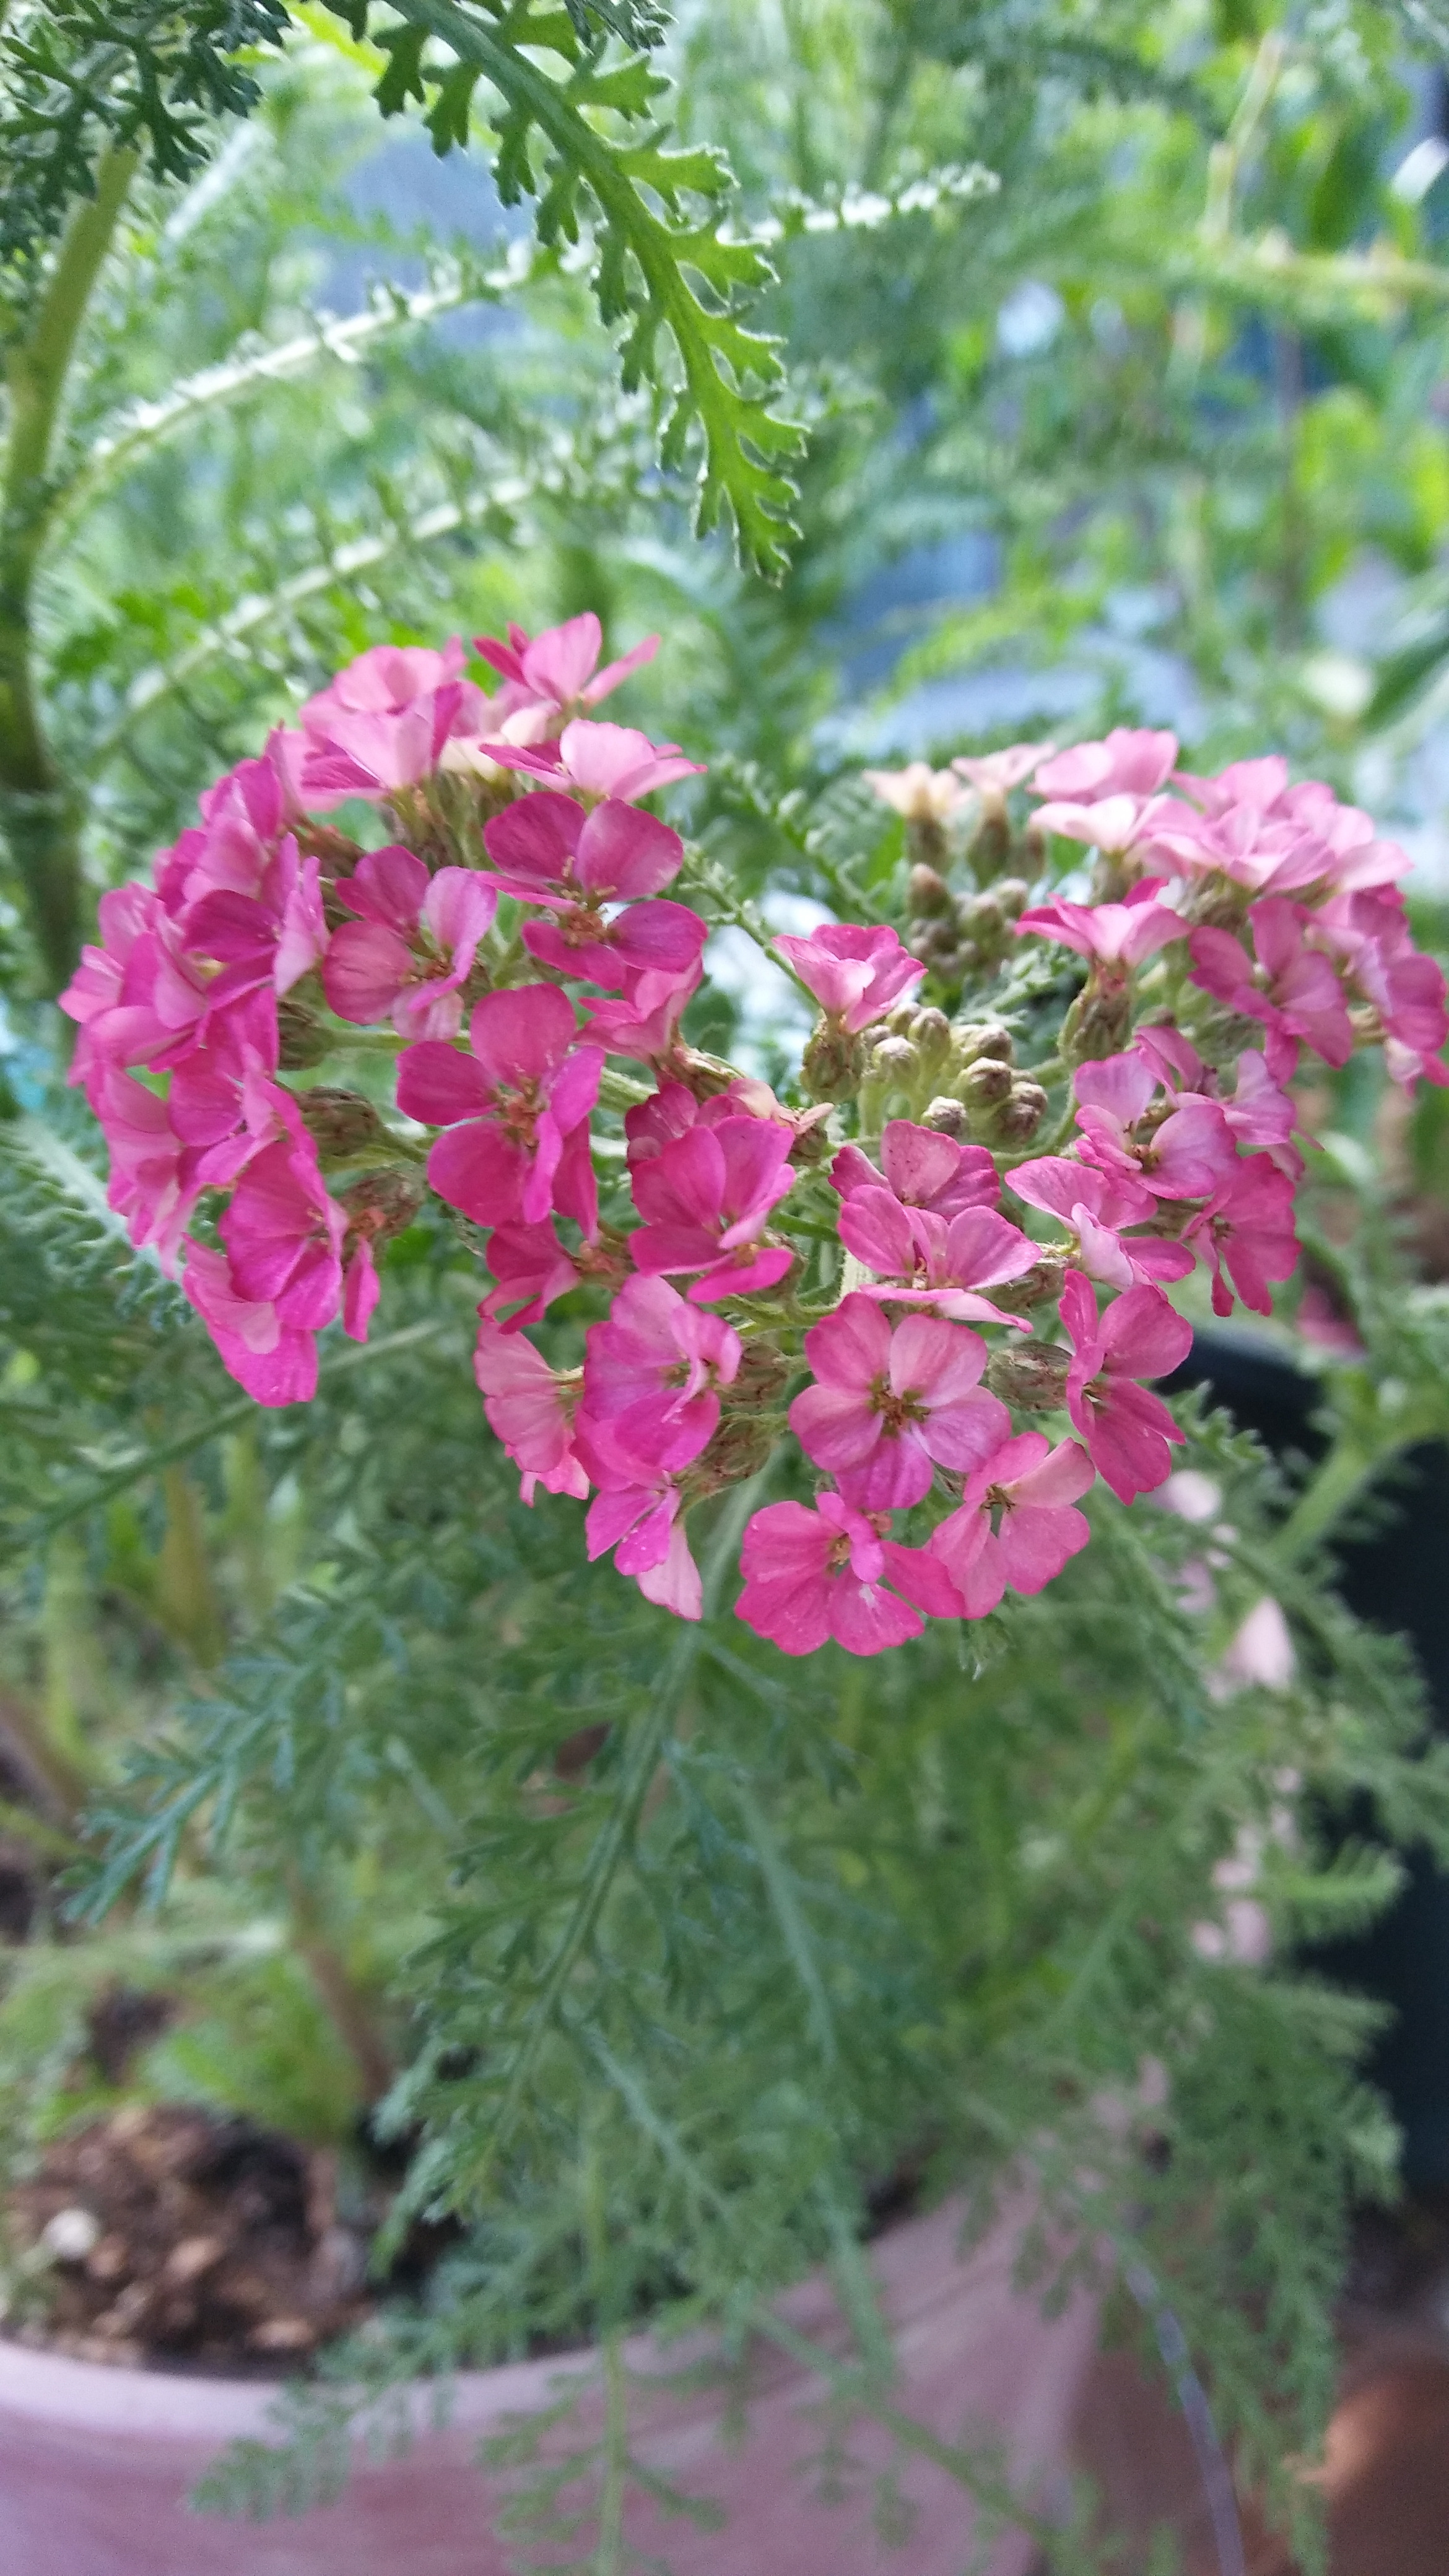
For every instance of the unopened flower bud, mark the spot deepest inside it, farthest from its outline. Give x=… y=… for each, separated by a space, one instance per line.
x=739 y=1448
x=947 y=1117
x=833 y=1065
x=927 y=892
x=931 y=1037
x=1012 y=896
x=341 y=1124
x=895 y=1060
x=1033 y=849
x=991 y=847
x=812 y=1142
x=902 y=1020
x=985 y=1084
x=1021 y=1112
x=382 y=1205
x=1041 y=1285
x=302 y=1040
x=705 y=1075
x=938 y=944
x=972 y=1039
x=759 y=1379
x=1031 y=1375
x=1098 y=1023
x=338 y=854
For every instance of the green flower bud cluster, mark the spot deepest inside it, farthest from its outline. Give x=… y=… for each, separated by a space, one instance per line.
x=963 y=936
x=959 y=1077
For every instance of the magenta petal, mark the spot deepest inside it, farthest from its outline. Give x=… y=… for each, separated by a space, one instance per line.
x=437 y=1086
x=1036 y=1543
x=520 y=1035
x=835 y=1426
x=963 y=1435
x=627 y=853
x=867 y=1621
x=874 y=1226
x=896 y=1474
x=477 y=1170
x=387 y=887
x=664 y=937
x=536 y=838
x=852 y=1347
x=916 y=1161
x=364 y=971
x=743 y=1274
x=939 y=1362
x=575 y=1087
x=1056 y=1186
x=923 y=1578
x=458 y=908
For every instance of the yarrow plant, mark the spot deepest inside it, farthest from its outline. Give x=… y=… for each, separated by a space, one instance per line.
x=901 y=1268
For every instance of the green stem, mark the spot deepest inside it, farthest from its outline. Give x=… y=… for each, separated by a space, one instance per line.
x=1349 y=1465
x=40 y=807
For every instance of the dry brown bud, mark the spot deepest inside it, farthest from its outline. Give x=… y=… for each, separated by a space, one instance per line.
x=303 y=1040
x=1032 y=1375
x=947 y=1117
x=1021 y=1112
x=985 y=1084
x=382 y=1205
x=927 y=891
x=342 y=1124
x=833 y=1065
x=975 y=1038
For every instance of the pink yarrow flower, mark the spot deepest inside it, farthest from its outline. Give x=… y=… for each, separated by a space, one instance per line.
x=854 y=971
x=244 y=819
x=1116 y=825
x=413 y=946
x=1097 y=1214
x=1127 y=1430
x=271 y=938
x=1129 y=763
x=814 y=1575
x=653 y=1370
x=921 y=1169
x=993 y=774
x=275 y=1362
x=516 y=1110
x=638 y=1511
x=1246 y=1229
x=549 y=851
x=382 y=723
x=136 y=997
x=530 y=1407
x=1293 y=988
x=1114 y=936
x=1033 y=1487
x=919 y=793
x=531 y=1268
x=1183 y=1156
x=930 y=1261
x=557 y=672
x=706 y=1199
x=1371 y=930
x=596 y=761
x=890 y=1405
x=285 y=1238
x=673 y=1109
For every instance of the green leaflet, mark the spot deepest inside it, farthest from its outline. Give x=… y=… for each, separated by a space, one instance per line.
x=659 y=268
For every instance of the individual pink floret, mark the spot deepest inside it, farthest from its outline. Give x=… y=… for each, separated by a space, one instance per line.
x=549 y=851
x=638 y=1511
x=673 y=1109
x=1184 y=1156
x=136 y=998
x=653 y=1370
x=516 y=1110
x=1129 y=763
x=413 y=946
x=153 y=1182
x=244 y=817
x=814 y=1575
x=275 y=1362
x=993 y=774
x=530 y=1408
x=284 y=1235
x=272 y=938
x=925 y=1260
x=596 y=761
x=706 y=1200
x=644 y=1020
x=1294 y=990
x=855 y=971
x=557 y=671
x=923 y=1170
x=531 y=1268
x=891 y=1405
x=1127 y=1430
x=1115 y=826
x=382 y=723
x=1246 y=1229
x=1116 y=935
x=1033 y=1487
x=1371 y=930
x=1097 y=1212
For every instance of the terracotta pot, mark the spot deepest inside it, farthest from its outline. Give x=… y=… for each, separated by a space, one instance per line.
x=95 y=2464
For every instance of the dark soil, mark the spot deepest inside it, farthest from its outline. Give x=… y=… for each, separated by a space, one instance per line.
x=183 y=2238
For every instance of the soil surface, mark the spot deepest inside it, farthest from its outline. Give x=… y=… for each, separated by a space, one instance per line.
x=177 y=2237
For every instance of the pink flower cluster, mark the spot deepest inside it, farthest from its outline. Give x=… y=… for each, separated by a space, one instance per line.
x=889 y=1292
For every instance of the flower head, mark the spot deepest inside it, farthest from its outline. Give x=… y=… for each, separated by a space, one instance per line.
x=382 y=723
x=918 y=792
x=1098 y=1210
x=531 y=1410
x=706 y=1199
x=516 y=1110
x=1032 y=1488
x=1246 y=1228
x=1128 y=763
x=653 y=1371
x=994 y=773
x=1289 y=985
x=596 y=761
x=275 y=1362
x=1126 y=1429
x=926 y=1260
x=1112 y=935
x=854 y=972
x=813 y=1575
x=1182 y=1156
x=557 y=672
x=890 y=1405
x=922 y=1169
x=413 y=946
